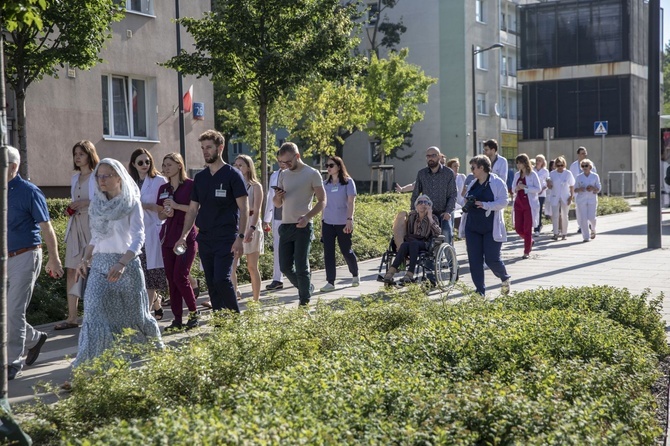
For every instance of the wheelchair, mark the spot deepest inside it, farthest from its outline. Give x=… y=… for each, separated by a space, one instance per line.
x=438 y=264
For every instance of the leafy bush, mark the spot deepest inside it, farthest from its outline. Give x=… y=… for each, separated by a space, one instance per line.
x=562 y=367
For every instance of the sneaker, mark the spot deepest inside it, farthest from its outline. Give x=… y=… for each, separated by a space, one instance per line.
x=34 y=352
x=174 y=327
x=193 y=318
x=526 y=256
x=355 y=281
x=593 y=235
x=327 y=287
x=13 y=372
x=311 y=289
x=275 y=285
x=536 y=234
x=504 y=287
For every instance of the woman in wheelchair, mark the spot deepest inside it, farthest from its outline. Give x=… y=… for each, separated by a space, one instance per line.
x=421 y=227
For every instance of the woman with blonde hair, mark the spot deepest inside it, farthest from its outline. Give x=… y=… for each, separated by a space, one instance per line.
x=174 y=199
x=78 y=234
x=561 y=184
x=587 y=186
x=142 y=169
x=254 y=248
x=526 y=186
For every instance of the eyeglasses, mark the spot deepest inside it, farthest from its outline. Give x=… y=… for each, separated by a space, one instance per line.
x=331 y=165
x=423 y=202
x=142 y=163
x=105 y=176
x=288 y=161
x=585 y=166
x=473 y=167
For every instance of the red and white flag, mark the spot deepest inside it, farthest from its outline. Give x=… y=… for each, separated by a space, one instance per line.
x=188 y=100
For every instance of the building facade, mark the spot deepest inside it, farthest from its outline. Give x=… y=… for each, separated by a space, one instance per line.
x=440 y=36
x=125 y=102
x=584 y=62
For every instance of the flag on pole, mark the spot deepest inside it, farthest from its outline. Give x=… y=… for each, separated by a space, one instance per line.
x=188 y=100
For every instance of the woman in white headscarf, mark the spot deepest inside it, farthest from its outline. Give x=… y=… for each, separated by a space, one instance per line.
x=115 y=296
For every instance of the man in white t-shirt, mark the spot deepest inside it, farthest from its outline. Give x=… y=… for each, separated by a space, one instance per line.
x=498 y=163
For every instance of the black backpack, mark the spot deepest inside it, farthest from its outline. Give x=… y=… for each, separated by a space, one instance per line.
x=667 y=176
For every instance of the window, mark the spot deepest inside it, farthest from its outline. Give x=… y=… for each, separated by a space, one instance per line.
x=503 y=107
x=479 y=11
x=373 y=14
x=125 y=104
x=503 y=66
x=482 y=61
x=141 y=6
x=375 y=155
x=481 y=104
x=237 y=148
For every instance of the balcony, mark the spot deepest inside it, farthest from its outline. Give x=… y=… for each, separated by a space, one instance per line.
x=509 y=125
x=507 y=81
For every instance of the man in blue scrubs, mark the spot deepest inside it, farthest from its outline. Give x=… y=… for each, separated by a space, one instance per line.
x=27 y=215
x=219 y=207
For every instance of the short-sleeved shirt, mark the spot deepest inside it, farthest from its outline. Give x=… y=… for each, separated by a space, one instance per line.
x=218 y=218
x=173 y=226
x=299 y=185
x=337 y=198
x=26 y=209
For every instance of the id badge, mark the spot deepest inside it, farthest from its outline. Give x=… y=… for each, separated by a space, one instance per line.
x=163 y=196
x=335 y=188
x=220 y=193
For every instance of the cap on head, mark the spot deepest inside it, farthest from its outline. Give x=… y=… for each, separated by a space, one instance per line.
x=13 y=155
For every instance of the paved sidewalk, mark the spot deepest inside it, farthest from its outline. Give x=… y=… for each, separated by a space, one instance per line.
x=618 y=257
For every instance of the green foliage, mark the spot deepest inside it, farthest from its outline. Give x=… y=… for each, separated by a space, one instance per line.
x=394 y=89
x=21 y=12
x=391 y=368
x=612 y=205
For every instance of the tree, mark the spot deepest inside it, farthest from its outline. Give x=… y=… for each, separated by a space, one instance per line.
x=394 y=89
x=72 y=32
x=390 y=32
x=322 y=111
x=268 y=47
x=666 y=79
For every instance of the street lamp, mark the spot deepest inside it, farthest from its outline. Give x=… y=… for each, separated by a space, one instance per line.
x=474 y=94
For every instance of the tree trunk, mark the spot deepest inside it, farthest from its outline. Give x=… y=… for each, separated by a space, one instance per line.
x=339 y=146
x=263 y=111
x=21 y=124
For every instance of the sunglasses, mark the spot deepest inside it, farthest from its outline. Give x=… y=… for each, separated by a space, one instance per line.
x=331 y=165
x=423 y=202
x=584 y=166
x=142 y=163
x=560 y=165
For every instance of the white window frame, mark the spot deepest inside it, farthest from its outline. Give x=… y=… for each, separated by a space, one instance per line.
x=237 y=148
x=481 y=104
x=146 y=9
x=149 y=99
x=480 y=15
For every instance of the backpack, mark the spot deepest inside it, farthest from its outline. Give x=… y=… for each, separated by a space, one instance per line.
x=667 y=176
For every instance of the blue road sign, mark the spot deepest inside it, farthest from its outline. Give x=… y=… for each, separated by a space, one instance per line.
x=600 y=128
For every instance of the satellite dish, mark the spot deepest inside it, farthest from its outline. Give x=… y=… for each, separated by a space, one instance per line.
x=496 y=109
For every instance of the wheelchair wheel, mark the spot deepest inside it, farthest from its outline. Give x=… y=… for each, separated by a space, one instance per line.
x=446 y=266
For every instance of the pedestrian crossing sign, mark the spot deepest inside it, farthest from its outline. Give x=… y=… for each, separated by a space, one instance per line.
x=600 y=128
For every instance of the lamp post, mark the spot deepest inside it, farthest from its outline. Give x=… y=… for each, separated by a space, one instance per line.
x=474 y=94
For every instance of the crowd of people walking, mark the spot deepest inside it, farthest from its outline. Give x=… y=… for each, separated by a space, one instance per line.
x=134 y=232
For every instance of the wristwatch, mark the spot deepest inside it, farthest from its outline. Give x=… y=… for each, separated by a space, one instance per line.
x=240 y=235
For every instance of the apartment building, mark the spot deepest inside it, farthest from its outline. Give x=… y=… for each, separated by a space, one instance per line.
x=127 y=101
x=441 y=36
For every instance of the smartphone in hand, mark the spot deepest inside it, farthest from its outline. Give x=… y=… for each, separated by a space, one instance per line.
x=278 y=189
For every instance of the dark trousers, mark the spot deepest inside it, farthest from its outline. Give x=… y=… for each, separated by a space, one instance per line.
x=328 y=235
x=539 y=222
x=481 y=247
x=294 y=246
x=413 y=249
x=177 y=269
x=217 y=264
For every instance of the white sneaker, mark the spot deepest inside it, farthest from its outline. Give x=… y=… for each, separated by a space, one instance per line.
x=504 y=287
x=327 y=287
x=355 y=281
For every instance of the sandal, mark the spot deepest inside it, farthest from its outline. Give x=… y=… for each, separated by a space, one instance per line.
x=158 y=314
x=207 y=304
x=65 y=326
x=196 y=290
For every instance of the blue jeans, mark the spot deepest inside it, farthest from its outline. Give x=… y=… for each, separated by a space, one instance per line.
x=481 y=247
x=217 y=264
x=294 y=246
x=448 y=230
x=328 y=235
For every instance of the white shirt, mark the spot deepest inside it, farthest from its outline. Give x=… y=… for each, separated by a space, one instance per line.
x=152 y=224
x=560 y=191
x=499 y=167
x=542 y=174
x=269 y=205
x=127 y=234
x=583 y=181
x=576 y=168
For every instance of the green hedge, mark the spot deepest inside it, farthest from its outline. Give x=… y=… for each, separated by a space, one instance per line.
x=563 y=366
